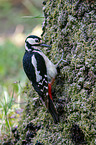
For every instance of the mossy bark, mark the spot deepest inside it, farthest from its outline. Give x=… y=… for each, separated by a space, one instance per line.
x=69 y=26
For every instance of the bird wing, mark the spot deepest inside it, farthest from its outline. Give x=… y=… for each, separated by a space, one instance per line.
x=41 y=82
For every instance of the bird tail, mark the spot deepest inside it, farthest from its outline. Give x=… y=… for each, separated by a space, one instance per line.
x=52 y=110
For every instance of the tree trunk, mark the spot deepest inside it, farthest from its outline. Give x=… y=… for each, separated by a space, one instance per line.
x=70 y=26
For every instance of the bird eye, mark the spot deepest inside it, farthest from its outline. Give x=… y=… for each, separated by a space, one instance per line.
x=36 y=40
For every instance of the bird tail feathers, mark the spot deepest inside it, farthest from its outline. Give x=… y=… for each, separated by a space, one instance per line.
x=53 y=111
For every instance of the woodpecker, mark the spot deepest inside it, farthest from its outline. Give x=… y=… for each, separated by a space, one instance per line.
x=40 y=71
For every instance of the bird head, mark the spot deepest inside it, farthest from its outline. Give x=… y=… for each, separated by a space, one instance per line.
x=34 y=42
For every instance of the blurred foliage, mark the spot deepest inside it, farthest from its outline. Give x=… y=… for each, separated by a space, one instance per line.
x=9 y=110
x=12 y=36
x=10 y=62
x=12 y=12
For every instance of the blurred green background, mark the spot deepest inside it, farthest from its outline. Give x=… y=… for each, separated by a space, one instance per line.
x=17 y=20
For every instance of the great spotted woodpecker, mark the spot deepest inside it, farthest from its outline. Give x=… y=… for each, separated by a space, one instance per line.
x=40 y=71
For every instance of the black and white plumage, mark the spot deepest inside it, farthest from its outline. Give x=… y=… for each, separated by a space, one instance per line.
x=40 y=71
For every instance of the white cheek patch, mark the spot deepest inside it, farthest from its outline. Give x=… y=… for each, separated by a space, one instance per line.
x=31 y=41
x=34 y=62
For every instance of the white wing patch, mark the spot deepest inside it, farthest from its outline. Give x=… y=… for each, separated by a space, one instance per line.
x=34 y=62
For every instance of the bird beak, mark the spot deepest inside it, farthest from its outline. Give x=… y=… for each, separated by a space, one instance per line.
x=45 y=45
